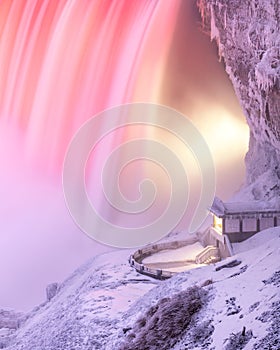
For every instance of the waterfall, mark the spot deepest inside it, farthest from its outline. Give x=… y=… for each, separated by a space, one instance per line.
x=63 y=61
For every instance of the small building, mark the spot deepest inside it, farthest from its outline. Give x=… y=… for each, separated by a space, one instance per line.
x=241 y=220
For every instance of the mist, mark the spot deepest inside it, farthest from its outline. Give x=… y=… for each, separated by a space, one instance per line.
x=39 y=241
x=49 y=89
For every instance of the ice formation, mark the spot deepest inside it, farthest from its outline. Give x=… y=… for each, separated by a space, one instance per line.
x=247 y=34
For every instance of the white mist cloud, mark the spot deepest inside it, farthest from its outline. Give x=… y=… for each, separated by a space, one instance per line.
x=39 y=242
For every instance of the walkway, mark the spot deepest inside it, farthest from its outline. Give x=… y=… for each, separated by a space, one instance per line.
x=163 y=260
x=175 y=260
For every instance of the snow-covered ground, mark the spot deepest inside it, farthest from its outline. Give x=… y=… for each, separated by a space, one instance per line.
x=175 y=260
x=188 y=252
x=98 y=306
x=255 y=241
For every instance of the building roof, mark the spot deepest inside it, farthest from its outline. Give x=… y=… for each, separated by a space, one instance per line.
x=220 y=209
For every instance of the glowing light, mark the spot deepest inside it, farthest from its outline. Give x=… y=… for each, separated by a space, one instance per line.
x=226 y=135
x=218 y=223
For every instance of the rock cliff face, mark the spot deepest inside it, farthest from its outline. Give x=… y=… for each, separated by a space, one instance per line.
x=248 y=37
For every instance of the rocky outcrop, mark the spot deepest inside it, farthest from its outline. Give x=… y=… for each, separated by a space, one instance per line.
x=248 y=38
x=10 y=319
x=52 y=290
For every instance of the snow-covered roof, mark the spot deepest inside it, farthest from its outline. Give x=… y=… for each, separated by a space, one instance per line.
x=219 y=208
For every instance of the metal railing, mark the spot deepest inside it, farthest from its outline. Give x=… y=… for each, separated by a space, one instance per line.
x=136 y=259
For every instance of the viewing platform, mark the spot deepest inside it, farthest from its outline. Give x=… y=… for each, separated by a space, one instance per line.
x=164 y=260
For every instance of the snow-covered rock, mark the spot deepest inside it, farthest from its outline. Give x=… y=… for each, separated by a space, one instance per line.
x=87 y=307
x=51 y=290
x=10 y=319
x=106 y=305
x=248 y=37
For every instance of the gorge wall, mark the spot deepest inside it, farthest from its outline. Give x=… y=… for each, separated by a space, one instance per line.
x=248 y=37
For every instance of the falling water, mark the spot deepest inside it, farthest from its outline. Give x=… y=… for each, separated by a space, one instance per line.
x=61 y=62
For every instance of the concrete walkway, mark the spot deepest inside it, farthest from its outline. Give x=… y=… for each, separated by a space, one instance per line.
x=175 y=260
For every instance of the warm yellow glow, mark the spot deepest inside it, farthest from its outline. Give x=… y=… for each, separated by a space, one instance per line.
x=218 y=223
x=224 y=131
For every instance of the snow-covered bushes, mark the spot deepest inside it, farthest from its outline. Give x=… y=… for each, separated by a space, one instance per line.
x=164 y=323
x=272 y=339
x=239 y=340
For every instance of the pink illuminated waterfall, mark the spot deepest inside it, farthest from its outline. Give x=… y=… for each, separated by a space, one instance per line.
x=63 y=61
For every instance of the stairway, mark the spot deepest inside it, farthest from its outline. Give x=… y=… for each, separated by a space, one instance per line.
x=209 y=255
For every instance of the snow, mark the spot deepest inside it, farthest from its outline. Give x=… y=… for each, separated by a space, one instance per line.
x=86 y=306
x=175 y=260
x=220 y=208
x=247 y=291
x=249 y=42
x=268 y=69
x=246 y=286
x=188 y=252
x=186 y=267
x=98 y=301
x=116 y=301
x=256 y=240
x=105 y=296
x=250 y=206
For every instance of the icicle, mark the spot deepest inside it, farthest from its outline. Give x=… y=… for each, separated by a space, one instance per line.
x=215 y=33
x=268 y=69
x=202 y=10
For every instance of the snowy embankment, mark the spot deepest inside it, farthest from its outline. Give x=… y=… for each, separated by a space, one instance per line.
x=107 y=305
